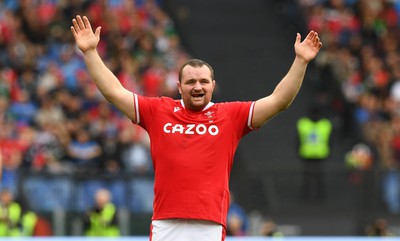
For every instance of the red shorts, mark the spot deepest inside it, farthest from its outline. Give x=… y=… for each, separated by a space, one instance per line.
x=186 y=229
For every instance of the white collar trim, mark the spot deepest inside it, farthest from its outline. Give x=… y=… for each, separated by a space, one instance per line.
x=205 y=108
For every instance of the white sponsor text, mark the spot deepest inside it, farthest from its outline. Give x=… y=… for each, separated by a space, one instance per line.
x=191 y=129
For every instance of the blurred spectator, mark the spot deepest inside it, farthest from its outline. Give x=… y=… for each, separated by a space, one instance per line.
x=84 y=152
x=314 y=138
x=70 y=68
x=104 y=127
x=46 y=148
x=237 y=219
x=5 y=114
x=359 y=159
x=49 y=111
x=133 y=150
x=379 y=228
x=101 y=220
x=391 y=177
x=23 y=109
x=269 y=228
x=16 y=220
x=50 y=79
x=10 y=215
x=12 y=150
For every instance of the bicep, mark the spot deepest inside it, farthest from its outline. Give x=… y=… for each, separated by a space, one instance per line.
x=264 y=110
x=124 y=101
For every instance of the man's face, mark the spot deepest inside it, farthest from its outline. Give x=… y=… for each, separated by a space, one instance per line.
x=196 y=87
x=6 y=198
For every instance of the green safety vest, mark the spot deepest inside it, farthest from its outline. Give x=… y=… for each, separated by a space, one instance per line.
x=13 y=214
x=101 y=223
x=314 y=138
x=28 y=223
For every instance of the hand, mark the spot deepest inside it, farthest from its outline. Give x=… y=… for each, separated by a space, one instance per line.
x=308 y=49
x=83 y=34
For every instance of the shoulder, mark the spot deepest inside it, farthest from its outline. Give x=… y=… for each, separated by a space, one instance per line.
x=236 y=106
x=232 y=104
x=163 y=100
x=157 y=99
x=326 y=122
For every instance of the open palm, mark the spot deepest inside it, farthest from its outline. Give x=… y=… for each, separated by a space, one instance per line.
x=309 y=47
x=84 y=36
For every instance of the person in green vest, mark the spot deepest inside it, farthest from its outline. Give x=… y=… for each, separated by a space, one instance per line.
x=314 y=134
x=102 y=219
x=28 y=223
x=10 y=215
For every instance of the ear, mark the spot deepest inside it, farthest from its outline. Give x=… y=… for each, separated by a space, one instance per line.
x=213 y=83
x=178 y=83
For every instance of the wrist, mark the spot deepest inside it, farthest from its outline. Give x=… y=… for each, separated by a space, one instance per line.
x=301 y=60
x=90 y=51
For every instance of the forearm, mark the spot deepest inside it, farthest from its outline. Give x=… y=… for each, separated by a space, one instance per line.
x=283 y=95
x=108 y=84
x=289 y=86
x=105 y=80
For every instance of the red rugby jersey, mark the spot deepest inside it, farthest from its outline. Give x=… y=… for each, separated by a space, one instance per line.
x=192 y=155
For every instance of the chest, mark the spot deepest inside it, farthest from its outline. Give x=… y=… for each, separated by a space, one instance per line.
x=182 y=122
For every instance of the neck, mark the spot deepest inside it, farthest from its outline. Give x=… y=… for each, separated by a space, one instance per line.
x=209 y=104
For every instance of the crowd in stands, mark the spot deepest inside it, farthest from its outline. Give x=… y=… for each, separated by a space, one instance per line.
x=52 y=117
x=359 y=78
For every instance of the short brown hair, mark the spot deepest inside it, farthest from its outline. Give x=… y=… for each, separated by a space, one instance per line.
x=195 y=63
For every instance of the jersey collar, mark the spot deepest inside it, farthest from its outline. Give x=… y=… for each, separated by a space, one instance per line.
x=205 y=108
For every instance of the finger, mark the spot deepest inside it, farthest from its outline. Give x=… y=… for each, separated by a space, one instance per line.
x=308 y=35
x=86 y=22
x=80 y=22
x=316 y=40
x=314 y=35
x=298 y=38
x=75 y=25
x=97 y=33
x=311 y=35
x=74 y=33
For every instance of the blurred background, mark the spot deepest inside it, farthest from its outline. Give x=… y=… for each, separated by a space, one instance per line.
x=61 y=141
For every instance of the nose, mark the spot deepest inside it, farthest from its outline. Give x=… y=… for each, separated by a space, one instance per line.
x=197 y=85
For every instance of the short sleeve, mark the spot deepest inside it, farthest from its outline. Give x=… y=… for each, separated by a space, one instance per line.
x=143 y=109
x=146 y=108
x=241 y=115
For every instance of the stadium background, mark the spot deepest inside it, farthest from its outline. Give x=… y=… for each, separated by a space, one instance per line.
x=250 y=46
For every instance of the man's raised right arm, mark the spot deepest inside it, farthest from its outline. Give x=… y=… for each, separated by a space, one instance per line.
x=105 y=80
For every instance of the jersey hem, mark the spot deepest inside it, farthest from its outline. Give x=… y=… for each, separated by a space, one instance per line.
x=180 y=216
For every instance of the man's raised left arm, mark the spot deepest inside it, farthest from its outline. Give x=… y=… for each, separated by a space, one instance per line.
x=287 y=89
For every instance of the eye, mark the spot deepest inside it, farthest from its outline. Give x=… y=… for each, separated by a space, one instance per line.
x=190 y=82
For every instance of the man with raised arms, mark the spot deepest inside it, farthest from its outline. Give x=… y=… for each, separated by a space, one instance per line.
x=193 y=140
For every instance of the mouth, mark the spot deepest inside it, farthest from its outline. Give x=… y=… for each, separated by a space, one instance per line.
x=197 y=96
